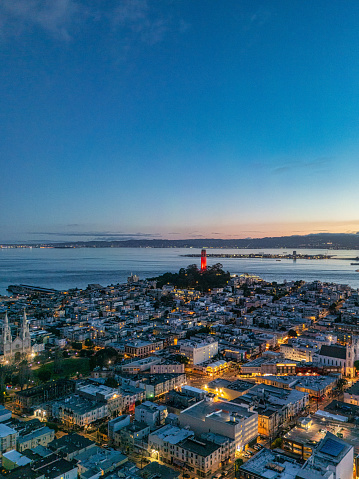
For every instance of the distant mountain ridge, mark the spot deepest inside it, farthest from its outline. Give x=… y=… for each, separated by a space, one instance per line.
x=310 y=241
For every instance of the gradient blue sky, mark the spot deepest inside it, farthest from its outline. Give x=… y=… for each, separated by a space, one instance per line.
x=178 y=119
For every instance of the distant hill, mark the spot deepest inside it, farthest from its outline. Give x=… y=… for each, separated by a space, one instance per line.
x=311 y=241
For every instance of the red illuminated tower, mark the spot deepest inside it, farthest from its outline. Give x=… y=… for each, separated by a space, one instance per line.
x=203 y=260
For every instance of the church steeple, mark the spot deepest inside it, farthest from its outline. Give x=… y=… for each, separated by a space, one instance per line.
x=24 y=332
x=6 y=338
x=6 y=335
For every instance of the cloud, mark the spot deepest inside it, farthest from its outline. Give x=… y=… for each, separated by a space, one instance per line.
x=102 y=234
x=140 y=21
x=258 y=19
x=132 y=21
x=56 y=17
x=132 y=13
x=317 y=164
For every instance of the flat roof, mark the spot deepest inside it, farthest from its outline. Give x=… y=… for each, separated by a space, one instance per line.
x=199 y=446
x=319 y=428
x=222 y=410
x=163 y=471
x=72 y=442
x=6 y=430
x=172 y=434
x=271 y=465
x=37 y=433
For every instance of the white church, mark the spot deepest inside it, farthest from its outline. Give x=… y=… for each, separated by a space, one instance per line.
x=21 y=343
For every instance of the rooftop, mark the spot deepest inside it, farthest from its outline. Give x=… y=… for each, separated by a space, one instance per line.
x=160 y=470
x=199 y=446
x=317 y=430
x=6 y=430
x=269 y=464
x=37 y=433
x=333 y=351
x=172 y=434
x=100 y=458
x=222 y=410
x=71 y=443
x=17 y=458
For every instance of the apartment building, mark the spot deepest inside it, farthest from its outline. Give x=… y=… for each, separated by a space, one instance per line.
x=224 y=418
x=199 y=352
x=199 y=456
x=39 y=437
x=141 y=349
x=8 y=437
x=166 y=368
x=151 y=414
x=78 y=411
x=161 y=443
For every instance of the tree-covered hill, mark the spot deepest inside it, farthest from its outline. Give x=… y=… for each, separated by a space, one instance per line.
x=193 y=278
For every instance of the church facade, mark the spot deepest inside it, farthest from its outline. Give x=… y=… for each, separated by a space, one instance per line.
x=20 y=345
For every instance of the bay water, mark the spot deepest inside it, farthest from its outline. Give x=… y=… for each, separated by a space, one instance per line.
x=63 y=269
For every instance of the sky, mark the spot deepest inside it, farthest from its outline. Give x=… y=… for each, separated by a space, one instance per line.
x=178 y=118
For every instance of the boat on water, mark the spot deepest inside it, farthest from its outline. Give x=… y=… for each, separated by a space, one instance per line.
x=357 y=270
x=354 y=264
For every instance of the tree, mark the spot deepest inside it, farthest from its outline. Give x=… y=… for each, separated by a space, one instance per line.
x=58 y=362
x=111 y=383
x=104 y=357
x=333 y=307
x=2 y=385
x=356 y=365
x=193 y=278
x=181 y=359
x=292 y=333
x=44 y=375
x=76 y=345
x=341 y=383
x=237 y=465
x=53 y=426
x=88 y=343
x=277 y=443
x=24 y=374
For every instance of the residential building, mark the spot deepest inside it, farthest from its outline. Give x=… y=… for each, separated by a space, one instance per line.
x=39 y=437
x=151 y=414
x=131 y=436
x=167 y=368
x=351 y=395
x=78 y=411
x=30 y=397
x=97 y=461
x=141 y=349
x=71 y=445
x=225 y=418
x=8 y=438
x=199 y=352
x=161 y=443
x=334 y=456
x=116 y=424
x=271 y=464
